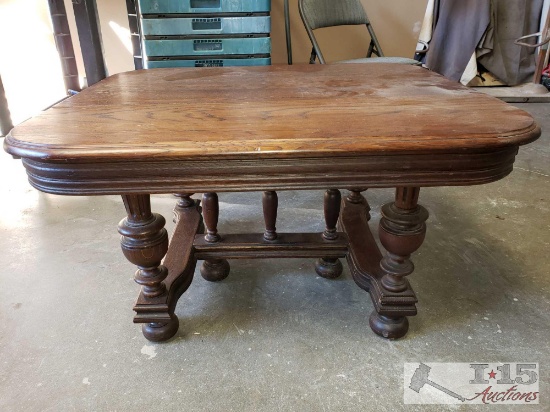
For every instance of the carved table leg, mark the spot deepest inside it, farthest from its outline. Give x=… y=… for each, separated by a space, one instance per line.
x=212 y=270
x=402 y=231
x=270 y=203
x=144 y=242
x=330 y=268
x=157 y=312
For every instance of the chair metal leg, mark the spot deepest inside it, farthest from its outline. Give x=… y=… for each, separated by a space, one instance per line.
x=313 y=56
x=377 y=49
x=287 y=31
x=371 y=49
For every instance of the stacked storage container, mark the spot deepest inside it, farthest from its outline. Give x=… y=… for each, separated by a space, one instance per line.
x=200 y=33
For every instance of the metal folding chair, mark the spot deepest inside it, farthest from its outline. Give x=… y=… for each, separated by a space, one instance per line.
x=317 y=14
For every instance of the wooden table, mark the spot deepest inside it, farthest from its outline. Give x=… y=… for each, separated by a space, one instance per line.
x=211 y=130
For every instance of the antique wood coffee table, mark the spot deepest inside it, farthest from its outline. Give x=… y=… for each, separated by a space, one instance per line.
x=210 y=130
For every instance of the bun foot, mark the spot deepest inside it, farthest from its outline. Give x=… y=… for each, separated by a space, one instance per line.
x=215 y=270
x=328 y=268
x=159 y=332
x=389 y=328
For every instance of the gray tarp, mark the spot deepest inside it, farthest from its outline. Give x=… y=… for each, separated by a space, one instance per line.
x=509 y=62
x=459 y=27
x=493 y=25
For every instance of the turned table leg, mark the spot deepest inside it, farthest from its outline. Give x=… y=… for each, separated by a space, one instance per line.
x=330 y=268
x=144 y=242
x=402 y=230
x=212 y=270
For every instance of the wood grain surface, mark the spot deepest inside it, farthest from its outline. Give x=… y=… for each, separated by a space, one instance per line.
x=270 y=112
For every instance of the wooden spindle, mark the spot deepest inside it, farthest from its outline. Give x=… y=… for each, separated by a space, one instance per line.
x=212 y=270
x=211 y=212
x=270 y=203
x=333 y=199
x=330 y=268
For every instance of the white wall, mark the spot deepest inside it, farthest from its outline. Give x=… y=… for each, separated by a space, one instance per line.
x=29 y=62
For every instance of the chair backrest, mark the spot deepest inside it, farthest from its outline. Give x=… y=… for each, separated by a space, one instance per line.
x=327 y=13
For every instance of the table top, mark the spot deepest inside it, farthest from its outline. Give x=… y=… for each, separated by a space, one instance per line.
x=270 y=128
x=270 y=112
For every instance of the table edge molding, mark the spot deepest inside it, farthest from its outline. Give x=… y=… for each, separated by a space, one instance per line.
x=428 y=169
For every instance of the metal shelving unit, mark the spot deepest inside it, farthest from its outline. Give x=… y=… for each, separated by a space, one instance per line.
x=197 y=33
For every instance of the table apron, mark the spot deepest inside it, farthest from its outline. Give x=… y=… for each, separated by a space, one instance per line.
x=178 y=176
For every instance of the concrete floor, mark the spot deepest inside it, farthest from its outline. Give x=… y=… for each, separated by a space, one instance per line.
x=273 y=336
